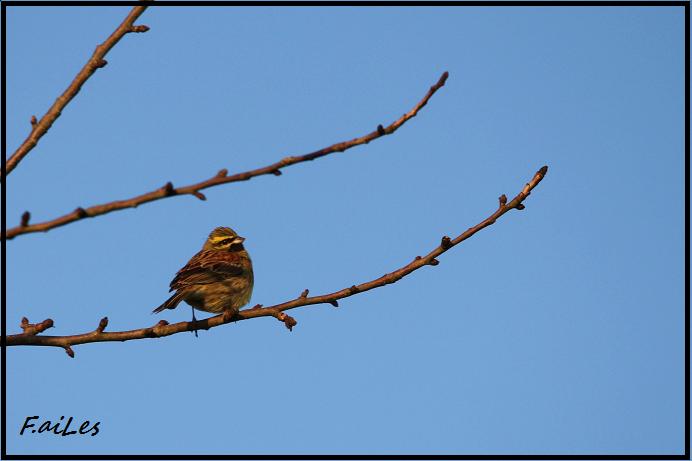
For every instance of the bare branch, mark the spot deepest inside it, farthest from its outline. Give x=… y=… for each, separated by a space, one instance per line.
x=163 y=328
x=40 y=127
x=222 y=176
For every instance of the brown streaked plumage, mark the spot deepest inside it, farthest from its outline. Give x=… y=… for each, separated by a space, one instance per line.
x=216 y=279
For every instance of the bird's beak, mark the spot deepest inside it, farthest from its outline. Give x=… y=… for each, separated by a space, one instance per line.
x=239 y=239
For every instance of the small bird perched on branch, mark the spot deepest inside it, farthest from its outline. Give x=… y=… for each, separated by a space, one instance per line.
x=217 y=279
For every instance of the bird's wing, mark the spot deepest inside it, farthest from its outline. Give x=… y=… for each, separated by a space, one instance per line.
x=207 y=267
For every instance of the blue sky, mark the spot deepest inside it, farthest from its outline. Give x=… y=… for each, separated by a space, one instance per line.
x=558 y=330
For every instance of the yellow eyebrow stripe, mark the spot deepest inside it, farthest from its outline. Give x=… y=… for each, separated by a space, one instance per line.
x=220 y=238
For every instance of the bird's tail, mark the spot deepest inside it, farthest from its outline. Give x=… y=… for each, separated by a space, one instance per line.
x=171 y=303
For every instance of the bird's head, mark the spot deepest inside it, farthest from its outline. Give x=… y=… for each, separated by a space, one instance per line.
x=224 y=239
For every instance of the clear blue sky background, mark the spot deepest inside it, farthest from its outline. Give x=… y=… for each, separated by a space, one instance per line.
x=558 y=330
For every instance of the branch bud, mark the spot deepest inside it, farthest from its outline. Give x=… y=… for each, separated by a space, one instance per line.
x=69 y=351
x=289 y=321
x=168 y=189
x=102 y=325
x=446 y=243
x=139 y=29
x=25 y=219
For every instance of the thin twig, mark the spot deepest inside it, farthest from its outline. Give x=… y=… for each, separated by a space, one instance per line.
x=40 y=127
x=163 y=328
x=30 y=329
x=221 y=177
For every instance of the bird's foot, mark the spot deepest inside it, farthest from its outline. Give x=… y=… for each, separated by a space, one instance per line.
x=194 y=319
x=230 y=315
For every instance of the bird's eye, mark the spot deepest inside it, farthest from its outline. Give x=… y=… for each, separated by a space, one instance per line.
x=226 y=241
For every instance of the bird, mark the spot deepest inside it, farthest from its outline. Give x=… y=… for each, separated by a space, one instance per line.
x=218 y=278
